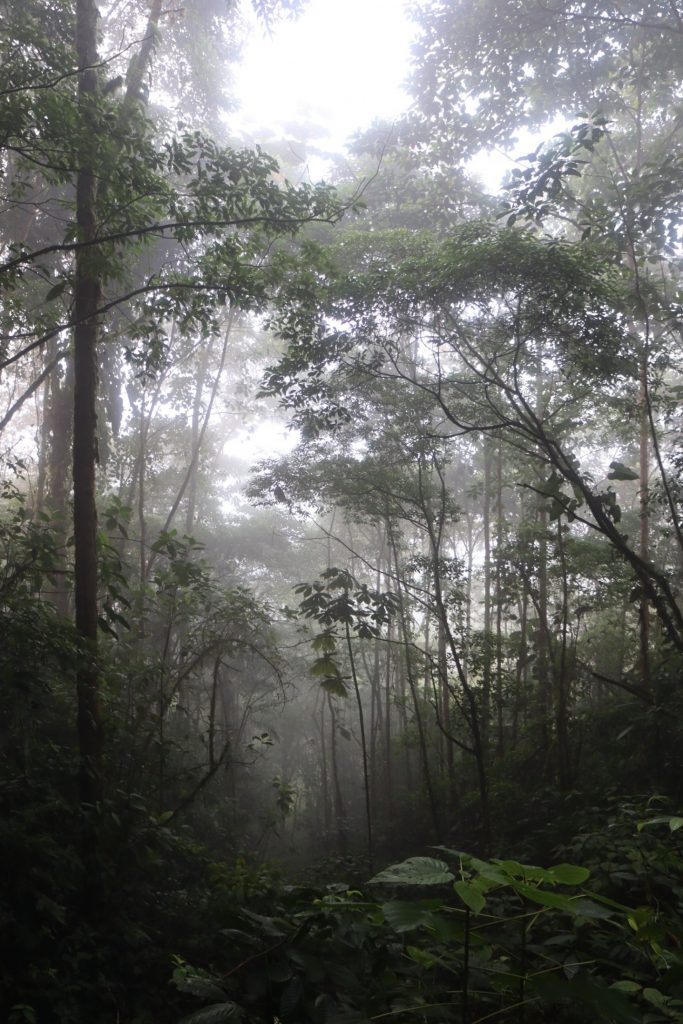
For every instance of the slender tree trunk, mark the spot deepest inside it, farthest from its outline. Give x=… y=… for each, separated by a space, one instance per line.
x=196 y=414
x=87 y=292
x=473 y=715
x=486 y=653
x=468 y=597
x=139 y=65
x=339 y=815
x=543 y=635
x=58 y=434
x=364 y=746
x=644 y=548
x=562 y=688
x=388 y=773
x=445 y=698
x=194 y=457
x=324 y=781
x=519 y=700
x=415 y=697
x=142 y=520
x=42 y=453
x=499 y=600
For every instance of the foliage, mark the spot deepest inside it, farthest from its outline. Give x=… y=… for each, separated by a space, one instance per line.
x=484 y=939
x=486 y=394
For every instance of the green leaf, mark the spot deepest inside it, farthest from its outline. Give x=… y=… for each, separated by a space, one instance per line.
x=471 y=896
x=415 y=871
x=656 y=998
x=422 y=956
x=324 y=667
x=621 y=472
x=56 y=291
x=324 y=643
x=335 y=686
x=529 y=872
x=215 y=1014
x=291 y=997
x=569 y=874
x=105 y=627
x=198 y=986
x=674 y=823
x=626 y=986
x=546 y=899
x=606 y=1004
x=590 y=910
x=22 y=1013
x=404 y=915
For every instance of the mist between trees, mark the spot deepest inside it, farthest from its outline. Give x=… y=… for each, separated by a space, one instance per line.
x=277 y=714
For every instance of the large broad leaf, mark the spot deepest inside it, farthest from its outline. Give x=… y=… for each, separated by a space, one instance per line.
x=674 y=823
x=216 y=1014
x=415 y=871
x=404 y=915
x=325 y=643
x=605 y=1004
x=590 y=910
x=335 y=686
x=471 y=896
x=291 y=997
x=422 y=956
x=529 y=872
x=196 y=985
x=546 y=899
x=618 y=471
x=569 y=874
x=324 y=666
x=274 y=926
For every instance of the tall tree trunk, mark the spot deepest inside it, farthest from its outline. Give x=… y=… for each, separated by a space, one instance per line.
x=486 y=653
x=499 y=599
x=58 y=435
x=196 y=415
x=543 y=635
x=562 y=687
x=364 y=746
x=473 y=714
x=644 y=549
x=388 y=772
x=339 y=815
x=410 y=676
x=445 y=698
x=87 y=293
x=194 y=457
x=140 y=62
x=521 y=673
x=324 y=781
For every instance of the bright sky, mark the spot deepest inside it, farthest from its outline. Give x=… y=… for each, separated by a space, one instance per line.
x=330 y=73
x=337 y=67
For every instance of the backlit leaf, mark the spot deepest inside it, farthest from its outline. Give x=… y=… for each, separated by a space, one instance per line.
x=415 y=871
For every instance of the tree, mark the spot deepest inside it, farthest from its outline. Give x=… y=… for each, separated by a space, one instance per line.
x=216 y=211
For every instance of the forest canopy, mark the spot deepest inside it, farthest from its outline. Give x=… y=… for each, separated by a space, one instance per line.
x=384 y=721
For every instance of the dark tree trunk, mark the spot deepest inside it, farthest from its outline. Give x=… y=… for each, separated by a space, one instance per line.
x=87 y=293
x=339 y=813
x=644 y=547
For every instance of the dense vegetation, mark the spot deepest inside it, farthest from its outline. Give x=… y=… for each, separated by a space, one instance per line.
x=286 y=741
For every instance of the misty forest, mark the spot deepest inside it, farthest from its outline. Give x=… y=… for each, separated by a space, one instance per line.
x=341 y=526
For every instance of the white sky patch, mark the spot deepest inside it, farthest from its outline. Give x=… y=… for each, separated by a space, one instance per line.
x=492 y=165
x=265 y=440
x=334 y=70
x=337 y=67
